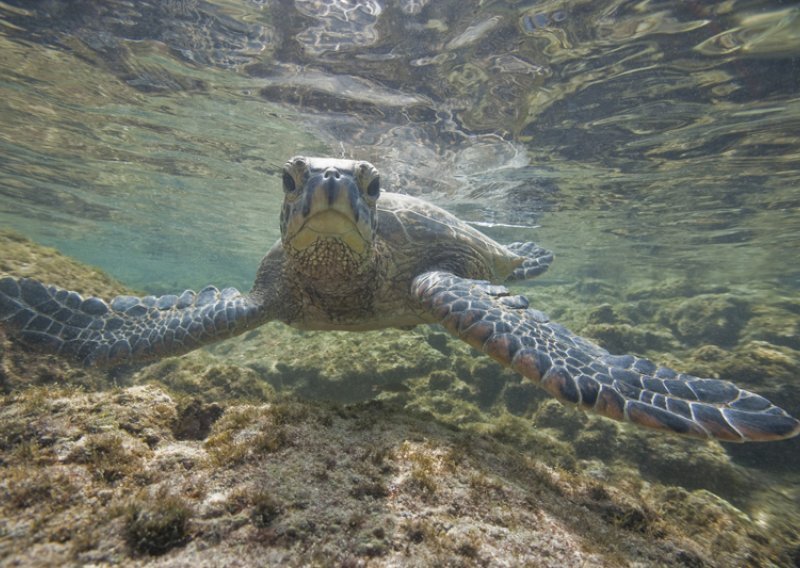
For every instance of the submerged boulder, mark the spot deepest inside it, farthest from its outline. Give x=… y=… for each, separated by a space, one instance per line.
x=708 y=319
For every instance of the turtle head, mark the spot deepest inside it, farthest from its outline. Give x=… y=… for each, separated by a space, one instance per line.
x=329 y=219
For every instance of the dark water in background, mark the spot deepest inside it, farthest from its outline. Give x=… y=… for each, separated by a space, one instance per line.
x=642 y=141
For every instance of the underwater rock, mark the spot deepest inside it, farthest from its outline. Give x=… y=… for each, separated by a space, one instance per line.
x=440 y=342
x=20 y=368
x=693 y=466
x=776 y=325
x=553 y=414
x=665 y=459
x=441 y=380
x=599 y=439
x=489 y=380
x=466 y=465
x=195 y=419
x=604 y=313
x=626 y=338
x=337 y=485
x=207 y=379
x=708 y=318
x=155 y=524
x=336 y=366
x=704 y=516
x=521 y=399
x=669 y=289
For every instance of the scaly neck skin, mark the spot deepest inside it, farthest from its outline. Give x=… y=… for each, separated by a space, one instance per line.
x=333 y=291
x=330 y=268
x=327 y=298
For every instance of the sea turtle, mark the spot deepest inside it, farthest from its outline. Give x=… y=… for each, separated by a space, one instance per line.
x=351 y=258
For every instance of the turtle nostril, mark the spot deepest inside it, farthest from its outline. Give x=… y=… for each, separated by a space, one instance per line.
x=331 y=173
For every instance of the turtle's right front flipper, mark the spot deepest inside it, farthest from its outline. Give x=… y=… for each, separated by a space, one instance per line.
x=126 y=329
x=576 y=371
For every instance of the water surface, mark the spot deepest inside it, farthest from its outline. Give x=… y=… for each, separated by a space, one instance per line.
x=143 y=137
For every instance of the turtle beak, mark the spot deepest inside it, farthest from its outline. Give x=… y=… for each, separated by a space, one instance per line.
x=330 y=207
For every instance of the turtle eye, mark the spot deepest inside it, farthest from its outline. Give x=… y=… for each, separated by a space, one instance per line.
x=288 y=182
x=374 y=188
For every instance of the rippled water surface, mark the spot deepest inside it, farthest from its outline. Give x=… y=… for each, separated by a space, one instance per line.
x=645 y=138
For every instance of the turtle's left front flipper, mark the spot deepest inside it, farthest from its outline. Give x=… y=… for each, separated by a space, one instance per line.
x=126 y=329
x=576 y=371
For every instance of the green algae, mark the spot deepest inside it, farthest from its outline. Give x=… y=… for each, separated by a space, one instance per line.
x=106 y=456
x=715 y=319
x=447 y=459
x=346 y=474
x=155 y=524
x=207 y=379
x=265 y=508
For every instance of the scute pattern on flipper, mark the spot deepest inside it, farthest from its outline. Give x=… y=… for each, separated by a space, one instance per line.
x=537 y=260
x=576 y=371
x=96 y=333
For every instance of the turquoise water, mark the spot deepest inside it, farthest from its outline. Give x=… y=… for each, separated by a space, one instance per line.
x=652 y=145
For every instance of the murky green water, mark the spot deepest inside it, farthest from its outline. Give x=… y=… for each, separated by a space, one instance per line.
x=654 y=145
